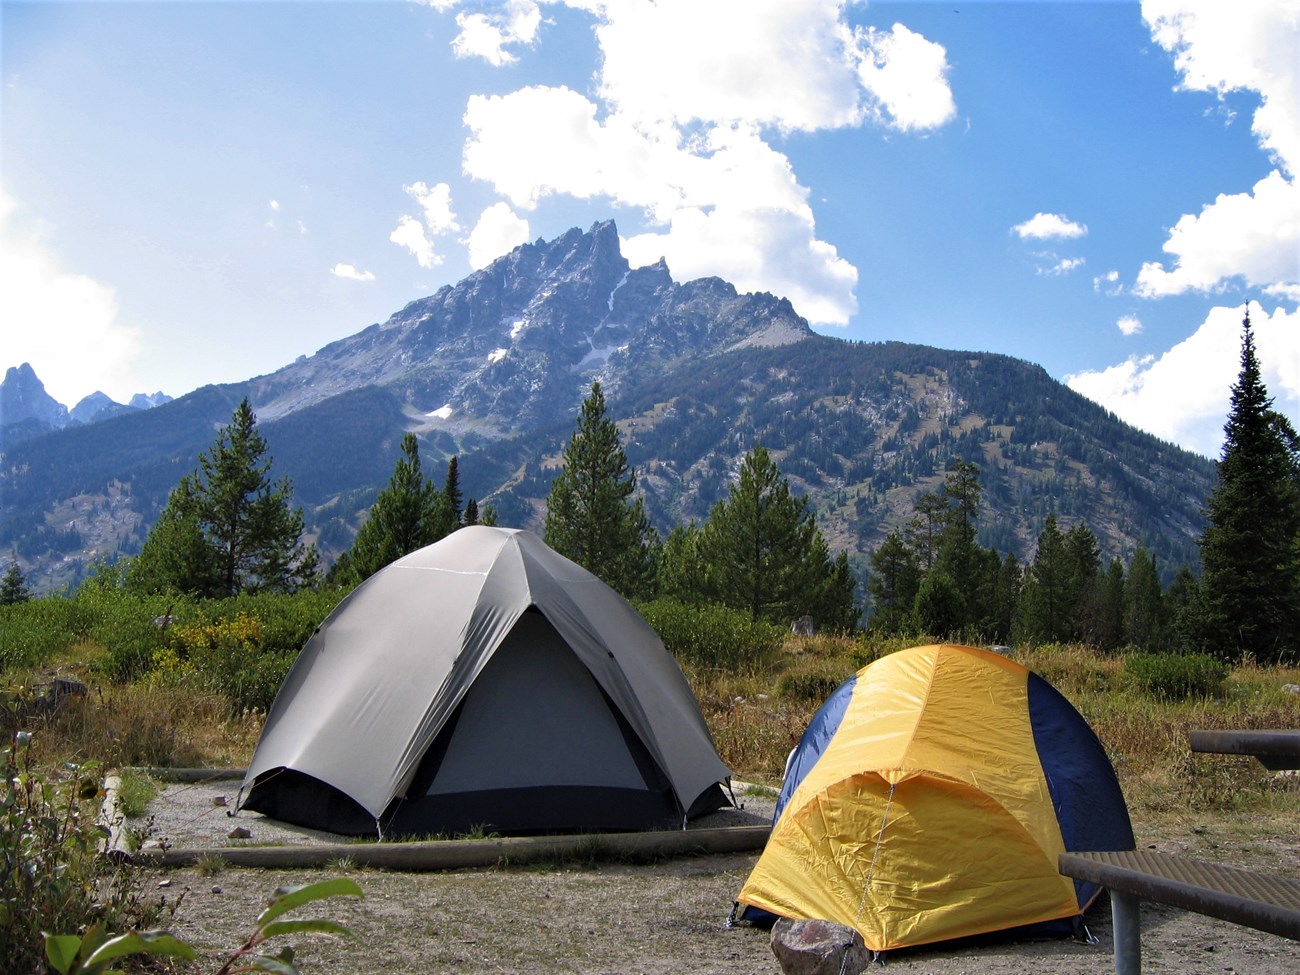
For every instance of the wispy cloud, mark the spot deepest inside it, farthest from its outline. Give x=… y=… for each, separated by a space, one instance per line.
x=1049 y=226
x=1129 y=325
x=1063 y=266
x=1108 y=284
x=350 y=273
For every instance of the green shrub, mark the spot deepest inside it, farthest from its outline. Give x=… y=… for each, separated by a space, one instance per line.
x=226 y=657
x=34 y=631
x=809 y=685
x=712 y=635
x=51 y=874
x=1177 y=677
x=287 y=621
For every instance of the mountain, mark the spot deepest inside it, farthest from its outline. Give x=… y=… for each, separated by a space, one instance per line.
x=494 y=368
x=27 y=410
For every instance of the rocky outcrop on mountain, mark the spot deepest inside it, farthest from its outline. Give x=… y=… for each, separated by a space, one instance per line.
x=26 y=409
x=517 y=344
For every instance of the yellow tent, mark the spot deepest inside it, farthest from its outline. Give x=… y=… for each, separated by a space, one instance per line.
x=918 y=806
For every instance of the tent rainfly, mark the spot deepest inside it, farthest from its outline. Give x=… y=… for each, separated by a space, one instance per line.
x=484 y=681
x=928 y=800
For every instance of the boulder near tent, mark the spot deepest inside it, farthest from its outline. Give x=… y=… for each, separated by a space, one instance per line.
x=484 y=681
x=928 y=799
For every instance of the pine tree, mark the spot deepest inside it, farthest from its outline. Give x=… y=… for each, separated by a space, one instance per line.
x=227 y=527
x=960 y=557
x=1250 y=556
x=893 y=584
x=1144 y=612
x=680 y=570
x=13 y=586
x=1084 y=599
x=408 y=514
x=451 y=491
x=1045 y=609
x=764 y=553
x=592 y=514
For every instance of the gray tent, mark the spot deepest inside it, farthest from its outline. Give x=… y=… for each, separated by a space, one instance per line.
x=484 y=681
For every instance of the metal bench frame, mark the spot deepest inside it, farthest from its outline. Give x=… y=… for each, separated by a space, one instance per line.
x=1243 y=897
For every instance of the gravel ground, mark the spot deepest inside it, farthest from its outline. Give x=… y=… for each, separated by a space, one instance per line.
x=666 y=918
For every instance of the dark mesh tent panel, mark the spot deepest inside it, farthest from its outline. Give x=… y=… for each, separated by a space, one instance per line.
x=536 y=746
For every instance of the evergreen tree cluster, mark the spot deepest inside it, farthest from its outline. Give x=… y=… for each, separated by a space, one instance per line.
x=759 y=551
x=933 y=577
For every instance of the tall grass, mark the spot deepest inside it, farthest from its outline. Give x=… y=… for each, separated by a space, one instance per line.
x=193 y=692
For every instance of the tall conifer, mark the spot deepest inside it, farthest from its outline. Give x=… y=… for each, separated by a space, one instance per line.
x=1250 y=584
x=592 y=514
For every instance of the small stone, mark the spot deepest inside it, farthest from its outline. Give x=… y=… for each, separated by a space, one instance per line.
x=216 y=889
x=239 y=833
x=218 y=800
x=164 y=883
x=818 y=948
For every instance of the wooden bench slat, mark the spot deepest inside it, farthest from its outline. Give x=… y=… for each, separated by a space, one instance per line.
x=1241 y=896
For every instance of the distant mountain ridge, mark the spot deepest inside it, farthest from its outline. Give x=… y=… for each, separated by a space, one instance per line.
x=493 y=369
x=27 y=410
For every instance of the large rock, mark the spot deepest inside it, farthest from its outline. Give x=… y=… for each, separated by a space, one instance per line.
x=818 y=948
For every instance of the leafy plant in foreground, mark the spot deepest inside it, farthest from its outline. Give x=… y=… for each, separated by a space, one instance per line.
x=51 y=873
x=95 y=953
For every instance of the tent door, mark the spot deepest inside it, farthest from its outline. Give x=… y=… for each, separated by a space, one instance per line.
x=535 y=746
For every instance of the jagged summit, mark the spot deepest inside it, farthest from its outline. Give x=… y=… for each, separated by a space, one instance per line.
x=520 y=341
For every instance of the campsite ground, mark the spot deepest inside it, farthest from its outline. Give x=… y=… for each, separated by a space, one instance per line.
x=665 y=918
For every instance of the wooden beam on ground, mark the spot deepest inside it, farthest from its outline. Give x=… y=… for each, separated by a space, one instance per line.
x=457 y=854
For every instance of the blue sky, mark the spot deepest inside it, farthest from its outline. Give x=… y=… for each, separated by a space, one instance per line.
x=201 y=192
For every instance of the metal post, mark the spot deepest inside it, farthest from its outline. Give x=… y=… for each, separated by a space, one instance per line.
x=1127 y=926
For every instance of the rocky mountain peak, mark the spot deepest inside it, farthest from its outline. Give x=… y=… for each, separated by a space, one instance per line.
x=23 y=398
x=519 y=341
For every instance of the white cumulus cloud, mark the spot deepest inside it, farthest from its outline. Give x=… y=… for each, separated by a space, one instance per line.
x=693 y=146
x=65 y=324
x=1129 y=325
x=435 y=201
x=349 y=272
x=907 y=77
x=486 y=34
x=499 y=230
x=1183 y=395
x=410 y=234
x=1049 y=226
x=1254 y=237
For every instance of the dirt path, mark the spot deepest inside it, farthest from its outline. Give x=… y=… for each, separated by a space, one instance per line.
x=666 y=918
